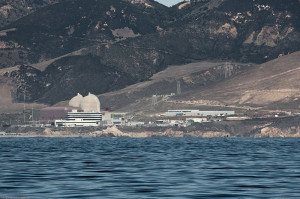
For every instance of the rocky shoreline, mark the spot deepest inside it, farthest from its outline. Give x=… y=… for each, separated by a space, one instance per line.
x=288 y=127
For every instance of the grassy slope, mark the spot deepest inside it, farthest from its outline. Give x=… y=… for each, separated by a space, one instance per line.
x=274 y=82
x=266 y=86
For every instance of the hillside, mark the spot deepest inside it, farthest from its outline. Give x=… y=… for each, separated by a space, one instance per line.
x=102 y=46
x=12 y=10
x=272 y=86
x=68 y=26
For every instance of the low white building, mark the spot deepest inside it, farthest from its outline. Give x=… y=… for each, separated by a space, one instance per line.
x=76 y=119
x=76 y=123
x=91 y=115
x=134 y=123
x=197 y=113
x=113 y=122
x=198 y=120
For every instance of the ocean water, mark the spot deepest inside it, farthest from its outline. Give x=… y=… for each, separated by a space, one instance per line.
x=149 y=168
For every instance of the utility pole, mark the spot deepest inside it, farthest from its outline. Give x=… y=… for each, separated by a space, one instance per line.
x=178 y=87
x=32 y=113
x=24 y=108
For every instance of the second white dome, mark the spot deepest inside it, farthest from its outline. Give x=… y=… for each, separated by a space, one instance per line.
x=90 y=103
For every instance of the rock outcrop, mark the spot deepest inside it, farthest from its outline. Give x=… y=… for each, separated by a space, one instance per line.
x=273 y=132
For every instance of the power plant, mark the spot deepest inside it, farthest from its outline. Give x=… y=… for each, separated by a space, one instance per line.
x=85 y=111
x=82 y=111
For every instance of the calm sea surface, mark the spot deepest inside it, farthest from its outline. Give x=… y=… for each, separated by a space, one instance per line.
x=149 y=168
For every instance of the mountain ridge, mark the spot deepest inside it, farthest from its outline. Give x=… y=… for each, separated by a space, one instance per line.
x=123 y=50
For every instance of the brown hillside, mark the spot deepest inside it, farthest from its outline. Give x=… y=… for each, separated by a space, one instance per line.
x=274 y=84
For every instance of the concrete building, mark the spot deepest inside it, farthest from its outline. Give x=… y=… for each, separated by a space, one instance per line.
x=178 y=123
x=198 y=120
x=134 y=123
x=113 y=122
x=75 y=119
x=89 y=115
x=197 y=113
x=114 y=118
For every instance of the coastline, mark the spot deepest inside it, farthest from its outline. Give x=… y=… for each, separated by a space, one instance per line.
x=288 y=127
x=117 y=132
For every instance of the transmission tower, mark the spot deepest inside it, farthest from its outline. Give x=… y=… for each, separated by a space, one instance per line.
x=228 y=68
x=154 y=100
x=24 y=108
x=178 y=87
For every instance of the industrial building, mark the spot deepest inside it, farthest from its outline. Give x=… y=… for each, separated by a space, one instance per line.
x=75 y=118
x=178 y=123
x=111 y=119
x=197 y=113
x=198 y=119
x=85 y=111
x=82 y=111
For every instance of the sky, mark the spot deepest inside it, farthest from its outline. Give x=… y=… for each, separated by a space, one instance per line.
x=169 y=2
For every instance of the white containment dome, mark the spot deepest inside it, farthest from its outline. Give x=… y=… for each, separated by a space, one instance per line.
x=90 y=103
x=76 y=101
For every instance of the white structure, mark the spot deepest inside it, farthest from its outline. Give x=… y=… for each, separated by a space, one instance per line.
x=135 y=123
x=85 y=116
x=180 y=123
x=90 y=103
x=198 y=119
x=75 y=123
x=113 y=122
x=75 y=101
x=91 y=115
x=238 y=118
x=74 y=119
x=197 y=113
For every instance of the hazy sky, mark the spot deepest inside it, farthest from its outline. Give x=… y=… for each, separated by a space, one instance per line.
x=169 y=2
